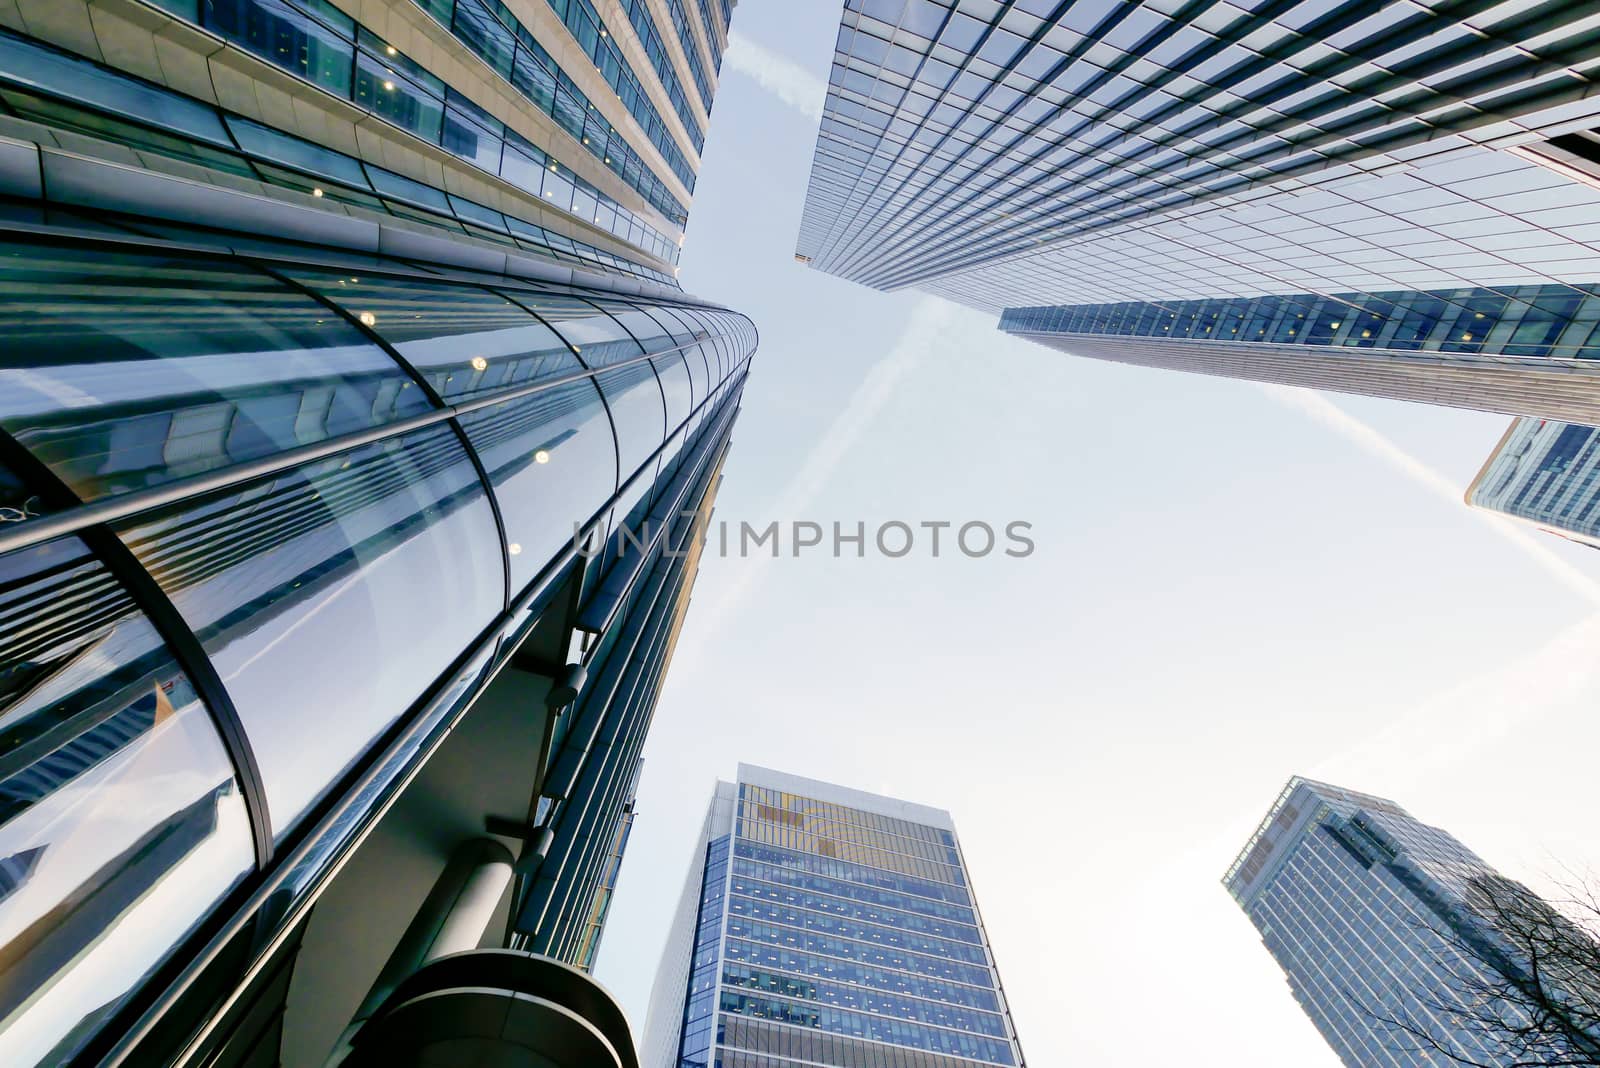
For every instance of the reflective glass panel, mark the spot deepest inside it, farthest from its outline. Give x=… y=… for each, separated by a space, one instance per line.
x=465 y=341
x=124 y=371
x=120 y=821
x=636 y=410
x=368 y=572
x=598 y=337
x=552 y=460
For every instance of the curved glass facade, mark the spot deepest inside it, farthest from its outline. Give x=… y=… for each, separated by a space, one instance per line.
x=328 y=48
x=252 y=516
x=40 y=84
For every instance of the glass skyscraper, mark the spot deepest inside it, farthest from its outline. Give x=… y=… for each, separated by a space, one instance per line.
x=1414 y=187
x=1547 y=473
x=354 y=434
x=1367 y=910
x=823 y=926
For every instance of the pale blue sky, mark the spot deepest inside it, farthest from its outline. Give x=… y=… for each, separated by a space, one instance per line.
x=1228 y=589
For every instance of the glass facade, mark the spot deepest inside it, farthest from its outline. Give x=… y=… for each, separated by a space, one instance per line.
x=1116 y=162
x=960 y=133
x=42 y=84
x=319 y=43
x=1547 y=473
x=823 y=926
x=350 y=415
x=239 y=493
x=1365 y=909
x=1516 y=349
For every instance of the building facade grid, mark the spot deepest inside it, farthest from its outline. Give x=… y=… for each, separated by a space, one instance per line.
x=823 y=943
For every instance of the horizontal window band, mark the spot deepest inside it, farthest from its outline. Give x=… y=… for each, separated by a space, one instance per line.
x=126 y=505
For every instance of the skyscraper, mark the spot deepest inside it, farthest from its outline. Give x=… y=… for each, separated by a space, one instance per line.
x=1375 y=919
x=353 y=434
x=826 y=926
x=1547 y=473
x=1392 y=199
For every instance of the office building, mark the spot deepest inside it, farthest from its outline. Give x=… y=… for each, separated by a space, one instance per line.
x=1548 y=474
x=354 y=434
x=1411 y=189
x=823 y=926
x=1380 y=925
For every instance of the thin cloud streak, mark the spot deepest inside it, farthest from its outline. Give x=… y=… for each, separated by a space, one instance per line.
x=928 y=327
x=1497 y=708
x=1365 y=436
x=778 y=75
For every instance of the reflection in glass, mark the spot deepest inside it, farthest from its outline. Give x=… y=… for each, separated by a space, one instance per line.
x=551 y=459
x=465 y=341
x=120 y=822
x=318 y=48
x=597 y=336
x=368 y=571
x=636 y=410
x=1523 y=321
x=125 y=371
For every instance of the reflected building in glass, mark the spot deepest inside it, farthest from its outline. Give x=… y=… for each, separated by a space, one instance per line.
x=1548 y=474
x=1370 y=913
x=1395 y=200
x=824 y=926
x=354 y=439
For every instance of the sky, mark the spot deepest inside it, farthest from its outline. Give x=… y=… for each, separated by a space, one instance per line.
x=1230 y=584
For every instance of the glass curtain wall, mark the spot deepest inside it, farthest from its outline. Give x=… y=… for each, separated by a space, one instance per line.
x=252 y=515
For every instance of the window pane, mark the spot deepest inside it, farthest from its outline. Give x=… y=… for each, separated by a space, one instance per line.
x=266 y=143
x=552 y=460
x=123 y=371
x=364 y=574
x=280 y=33
x=465 y=341
x=636 y=410
x=391 y=95
x=474 y=142
x=92 y=84
x=120 y=821
x=674 y=376
x=598 y=337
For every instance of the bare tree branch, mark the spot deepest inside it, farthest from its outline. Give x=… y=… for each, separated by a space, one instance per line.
x=1520 y=986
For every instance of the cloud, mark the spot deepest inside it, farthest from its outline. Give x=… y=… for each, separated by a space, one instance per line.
x=1495 y=711
x=927 y=328
x=1324 y=411
x=778 y=75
